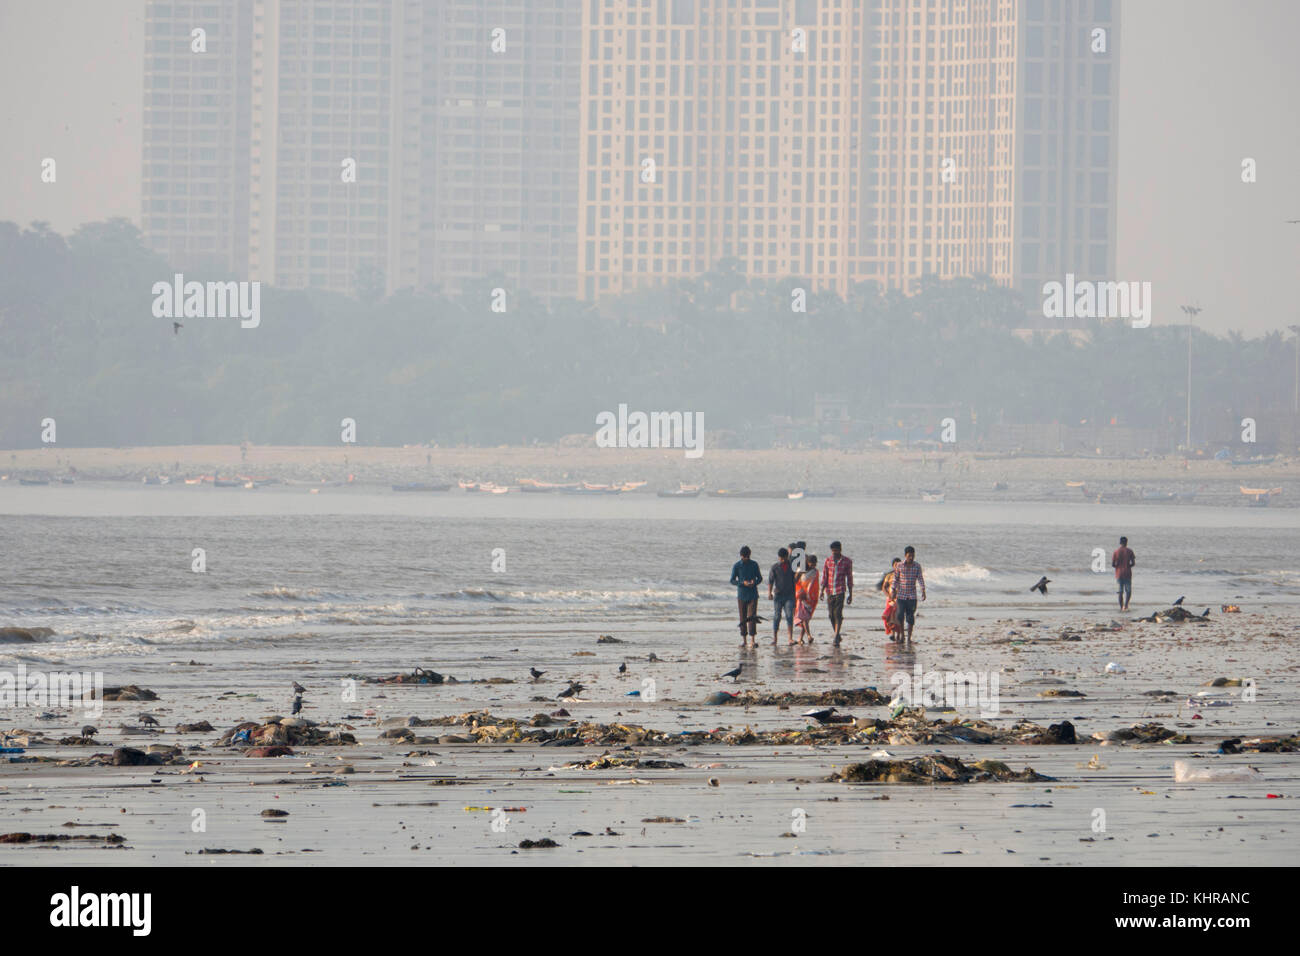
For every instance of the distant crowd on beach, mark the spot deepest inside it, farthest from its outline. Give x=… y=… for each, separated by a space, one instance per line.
x=795 y=585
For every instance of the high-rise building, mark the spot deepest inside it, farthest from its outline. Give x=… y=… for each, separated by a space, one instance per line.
x=357 y=145
x=842 y=141
x=200 y=131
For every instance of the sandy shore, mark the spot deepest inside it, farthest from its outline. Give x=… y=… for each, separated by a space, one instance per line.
x=884 y=473
x=397 y=802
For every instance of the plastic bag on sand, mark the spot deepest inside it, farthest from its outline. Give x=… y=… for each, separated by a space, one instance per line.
x=1186 y=773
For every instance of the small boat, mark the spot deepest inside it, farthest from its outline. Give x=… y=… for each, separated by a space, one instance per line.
x=1074 y=484
x=195 y=481
x=156 y=480
x=492 y=488
x=932 y=497
x=1242 y=462
x=1261 y=495
x=728 y=493
x=587 y=489
x=794 y=495
x=226 y=483
x=66 y=480
x=421 y=486
x=33 y=481
x=679 y=493
x=468 y=485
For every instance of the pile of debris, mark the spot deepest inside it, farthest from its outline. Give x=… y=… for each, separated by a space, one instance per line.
x=857 y=697
x=935 y=768
x=281 y=733
x=908 y=728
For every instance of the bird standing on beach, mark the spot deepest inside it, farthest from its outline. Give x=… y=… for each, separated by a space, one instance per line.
x=148 y=720
x=828 y=715
x=622 y=669
x=176 y=328
x=535 y=673
x=1205 y=613
x=1179 y=601
x=734 y=674
x=298 y=688
x=1042 y=584
x=297 y=705
x=573 y=690
x=89 y=731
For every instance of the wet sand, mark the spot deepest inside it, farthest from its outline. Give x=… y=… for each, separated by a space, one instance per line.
x=407 y=804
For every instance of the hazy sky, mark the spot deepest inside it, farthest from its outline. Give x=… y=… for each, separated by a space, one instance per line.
x=1204 y=84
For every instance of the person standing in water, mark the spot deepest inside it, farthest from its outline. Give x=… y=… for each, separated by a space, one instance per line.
x=806 y=594
x=780 y=591
x=1122 y=560
x=907 y=577
x=746 y=575
x=886 y=587
x=837 y=585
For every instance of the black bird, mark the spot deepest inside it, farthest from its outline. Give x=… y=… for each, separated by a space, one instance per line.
x=1205 y=613
x=573 y=690
x=176 y=328
x=536 y=674
x=828 y=715
x=734 y=674
x=622 y=668
x=148 y=720
x=1179 y=601
x=297 y=706
x=298 y=688
x=89 y=731
x=1042 y=584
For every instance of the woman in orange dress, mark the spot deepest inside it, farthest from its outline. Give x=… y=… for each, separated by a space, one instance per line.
x=806 y=592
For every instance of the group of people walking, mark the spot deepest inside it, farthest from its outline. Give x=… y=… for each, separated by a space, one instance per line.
x=796 y=585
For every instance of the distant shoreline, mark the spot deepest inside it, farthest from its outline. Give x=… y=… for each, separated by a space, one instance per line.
x=897 y=473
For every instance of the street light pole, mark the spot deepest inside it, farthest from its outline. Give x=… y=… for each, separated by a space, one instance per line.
x=1192 y=311
x=1296 y=407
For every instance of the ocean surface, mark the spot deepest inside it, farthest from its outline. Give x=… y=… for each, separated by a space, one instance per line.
x=408 y=579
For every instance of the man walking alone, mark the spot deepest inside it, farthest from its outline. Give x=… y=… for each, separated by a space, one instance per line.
x=1122 y=560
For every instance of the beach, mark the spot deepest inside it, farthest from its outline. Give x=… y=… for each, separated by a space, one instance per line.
x=346 y=588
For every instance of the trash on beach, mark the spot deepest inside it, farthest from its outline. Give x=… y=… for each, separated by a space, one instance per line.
x=1114 y=668
x=1060 y=692
x=128 y=693
x=1184 y=772
x=936 y=768
x=1149 y=733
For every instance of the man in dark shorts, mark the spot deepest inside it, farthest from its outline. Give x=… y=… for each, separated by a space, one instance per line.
x=1122 y=560
x=780 y=590
x=746 y=575
x=907 y=577
x=837 y=586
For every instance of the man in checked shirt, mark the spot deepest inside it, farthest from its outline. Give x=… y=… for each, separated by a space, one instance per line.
x=837 y=586
x=906 y=577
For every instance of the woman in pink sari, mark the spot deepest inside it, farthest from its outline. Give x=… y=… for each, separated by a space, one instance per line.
x=806 y=591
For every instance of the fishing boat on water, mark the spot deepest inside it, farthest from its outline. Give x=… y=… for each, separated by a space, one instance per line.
x=33 y=481
x=730 y=493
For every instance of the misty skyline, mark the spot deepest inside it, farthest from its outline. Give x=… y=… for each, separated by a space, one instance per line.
x=1203 y=86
